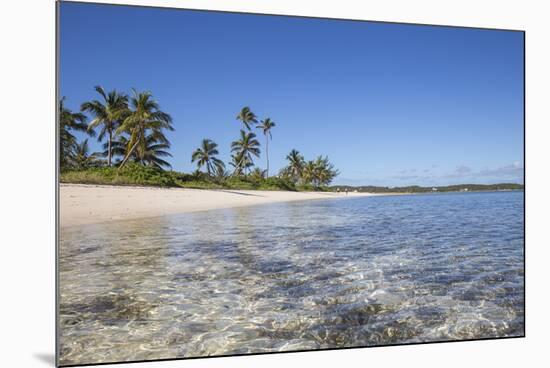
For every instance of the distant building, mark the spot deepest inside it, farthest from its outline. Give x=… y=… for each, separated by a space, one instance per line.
x=434 y=189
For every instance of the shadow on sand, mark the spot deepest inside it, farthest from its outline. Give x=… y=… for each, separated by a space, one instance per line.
x=239 y=193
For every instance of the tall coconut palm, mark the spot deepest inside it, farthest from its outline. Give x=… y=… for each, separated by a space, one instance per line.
x=245 y=147
x=295 y=165
x=68 y=122
x=144 y=118
x=247 y=117
x=206 y=154
x=266 y=125
x=107 y=113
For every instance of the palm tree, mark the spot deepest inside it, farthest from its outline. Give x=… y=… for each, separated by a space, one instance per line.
x=107 y=114
x=266 y=126
x=144 y=118
x=258 y=174
x=240 y=163
x=118 y=149
x=295 y=164
x=82 y=157
x=206 y=155
x=68 y=122
x=220 y=172
x=319 y=171
x=309 y=173
x=325 y=170
x=245 y=147
x=155 y=149
x=151 y=155
x=246 y=116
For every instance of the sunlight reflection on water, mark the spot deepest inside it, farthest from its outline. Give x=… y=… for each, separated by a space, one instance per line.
x=293 y=276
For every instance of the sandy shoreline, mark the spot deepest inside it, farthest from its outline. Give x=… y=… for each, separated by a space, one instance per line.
x=88 y=204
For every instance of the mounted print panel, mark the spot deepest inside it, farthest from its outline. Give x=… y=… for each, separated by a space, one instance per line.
x=235 y=183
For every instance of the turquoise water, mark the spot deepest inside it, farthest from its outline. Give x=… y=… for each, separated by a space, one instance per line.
x=294 y=276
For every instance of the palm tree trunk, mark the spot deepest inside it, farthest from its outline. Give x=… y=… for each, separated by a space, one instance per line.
x=109 y=148
x=267 y=155
x=238 y=167
x=128 y=154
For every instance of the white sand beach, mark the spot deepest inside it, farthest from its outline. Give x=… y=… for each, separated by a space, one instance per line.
x=87 y=204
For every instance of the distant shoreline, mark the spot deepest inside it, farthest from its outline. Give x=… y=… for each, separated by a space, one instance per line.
x=416 y=189
x=82 y=204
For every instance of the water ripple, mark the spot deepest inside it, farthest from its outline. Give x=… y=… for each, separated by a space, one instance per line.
x=293 y=276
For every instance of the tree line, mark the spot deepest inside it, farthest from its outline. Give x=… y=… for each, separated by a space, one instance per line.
x=436 y=189
x=132 y=128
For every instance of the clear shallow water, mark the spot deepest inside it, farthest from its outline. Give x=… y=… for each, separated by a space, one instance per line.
x=294 y=276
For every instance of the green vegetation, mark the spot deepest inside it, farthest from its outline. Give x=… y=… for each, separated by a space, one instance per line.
x=81 y=155
x=441 y=189
x=107 y=115
x=131 y=174
x=69 y=122
x=143 y=121
x=151 y=154
x=136 y=146
x=205 y=155
x=133 y=131
x=266 y=126
x=247 y=117
x=136 y=174
x=243 y=149
x=316 y=173
x=134 y=128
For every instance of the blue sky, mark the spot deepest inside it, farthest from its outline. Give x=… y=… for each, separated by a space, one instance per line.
x=389 y=104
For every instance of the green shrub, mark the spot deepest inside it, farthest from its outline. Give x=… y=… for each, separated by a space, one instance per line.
x=274 y=183
x=131 y=174
x=194 y=184
x=136 y=174
x=239 y=182
x=313 y=188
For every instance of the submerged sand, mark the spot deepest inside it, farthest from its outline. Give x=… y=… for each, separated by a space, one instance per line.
x=88 y=204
